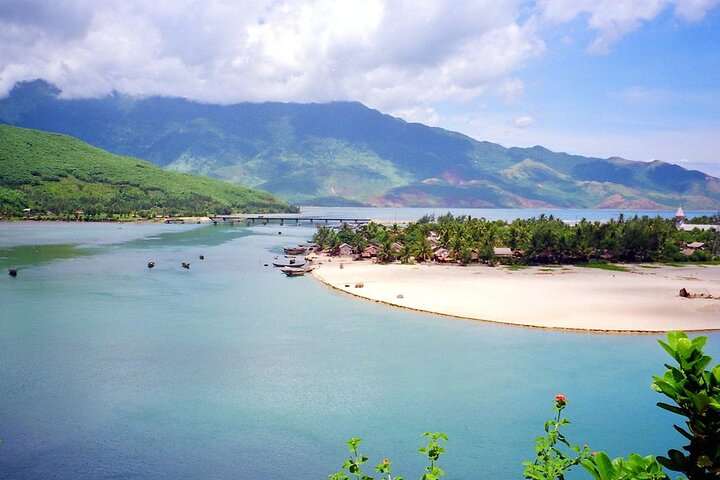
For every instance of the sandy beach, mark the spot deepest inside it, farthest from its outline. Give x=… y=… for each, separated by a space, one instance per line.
x=646 y=299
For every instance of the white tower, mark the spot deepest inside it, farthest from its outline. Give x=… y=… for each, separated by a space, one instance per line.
x=679 y=218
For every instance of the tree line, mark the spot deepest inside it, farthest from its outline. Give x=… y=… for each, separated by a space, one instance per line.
x=538 y=240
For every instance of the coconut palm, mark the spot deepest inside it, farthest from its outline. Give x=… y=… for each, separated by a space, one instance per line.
x=422 y=250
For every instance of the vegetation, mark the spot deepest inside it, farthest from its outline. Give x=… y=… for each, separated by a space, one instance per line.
x=306 y=154
x=541 y=240
x=694 y=391
x=56 y=176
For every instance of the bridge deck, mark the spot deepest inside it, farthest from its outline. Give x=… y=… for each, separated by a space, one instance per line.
x=285 y=218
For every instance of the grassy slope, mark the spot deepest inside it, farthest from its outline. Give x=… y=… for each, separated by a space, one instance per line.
x=45 y=171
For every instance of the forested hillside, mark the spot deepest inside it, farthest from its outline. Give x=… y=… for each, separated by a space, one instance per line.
x=46 y=172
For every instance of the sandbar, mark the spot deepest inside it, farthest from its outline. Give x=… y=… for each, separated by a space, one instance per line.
x=644 y=299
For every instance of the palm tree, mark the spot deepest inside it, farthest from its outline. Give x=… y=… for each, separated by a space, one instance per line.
x=423 y=250
x=406 y=253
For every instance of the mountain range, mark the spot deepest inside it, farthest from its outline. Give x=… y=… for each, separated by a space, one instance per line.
x=343 y=153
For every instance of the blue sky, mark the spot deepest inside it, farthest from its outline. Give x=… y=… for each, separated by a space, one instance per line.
x=638 y=79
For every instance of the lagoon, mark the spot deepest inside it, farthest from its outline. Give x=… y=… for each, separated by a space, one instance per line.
x=231 y=370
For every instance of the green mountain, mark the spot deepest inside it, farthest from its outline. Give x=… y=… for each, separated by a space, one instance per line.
x=344 y=153
x=51 y=172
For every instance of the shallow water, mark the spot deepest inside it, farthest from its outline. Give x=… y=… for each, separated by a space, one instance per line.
x=231 y=370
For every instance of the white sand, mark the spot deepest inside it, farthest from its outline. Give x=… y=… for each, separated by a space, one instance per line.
x=642 y=300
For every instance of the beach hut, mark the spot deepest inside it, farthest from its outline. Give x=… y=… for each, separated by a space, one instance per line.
x=396 y=247
x=503 y=252
x=345 y=250
x=371 y=251
x=441 y=255
x=692 y=247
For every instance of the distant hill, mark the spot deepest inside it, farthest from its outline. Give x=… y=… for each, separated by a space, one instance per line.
x=344 y=153
x=57 y=173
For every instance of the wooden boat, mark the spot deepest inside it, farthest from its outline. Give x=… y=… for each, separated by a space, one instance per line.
x=289 y=265
x=295 y=272
x=294 y=250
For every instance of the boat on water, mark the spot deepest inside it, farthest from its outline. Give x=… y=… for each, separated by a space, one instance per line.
x=295 y=272
x=295 y=250
x=289 y=264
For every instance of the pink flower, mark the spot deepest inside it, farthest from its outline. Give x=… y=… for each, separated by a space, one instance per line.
x=560 y=398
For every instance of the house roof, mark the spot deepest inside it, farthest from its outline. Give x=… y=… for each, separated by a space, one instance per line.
x=502 y=251
x=695 y=245
x=680 y=213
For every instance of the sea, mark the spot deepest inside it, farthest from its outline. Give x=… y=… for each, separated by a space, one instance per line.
x=230 y=370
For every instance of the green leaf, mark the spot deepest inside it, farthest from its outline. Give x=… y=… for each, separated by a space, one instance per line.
x=684 y=348
x=671 y=408
x=674 y=336
x=699 y=342
x=591 y=468
x=604 y=466
x=670 y=350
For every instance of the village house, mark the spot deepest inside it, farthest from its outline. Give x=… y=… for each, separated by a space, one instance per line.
x=345 y=250
x=371 y=251
x=692 y=247
x=396 y=247
x=441 y=255
x=503 y=252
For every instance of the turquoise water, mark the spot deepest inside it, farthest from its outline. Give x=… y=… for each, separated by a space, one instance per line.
x=231 y=370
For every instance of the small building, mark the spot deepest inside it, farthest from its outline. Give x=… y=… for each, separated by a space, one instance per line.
x=681 y=224
x=503 y=252
x=371 y=251
x=696 y=245
x=396 y=247
x=345 y=250
x=441 y=255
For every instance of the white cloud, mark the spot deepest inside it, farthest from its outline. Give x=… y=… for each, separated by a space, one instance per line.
x=524 y=121
x=613 y=19
x=398 y=55
x=694 y=10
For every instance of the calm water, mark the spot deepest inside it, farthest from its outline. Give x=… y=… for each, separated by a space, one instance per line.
x=231 y=370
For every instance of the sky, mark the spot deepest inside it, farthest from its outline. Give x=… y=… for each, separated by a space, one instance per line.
x=639 y=79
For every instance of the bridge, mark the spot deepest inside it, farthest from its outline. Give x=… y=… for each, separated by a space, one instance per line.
x=281 y=219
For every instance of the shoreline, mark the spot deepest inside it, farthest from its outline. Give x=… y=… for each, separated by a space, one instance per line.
x=644 y=300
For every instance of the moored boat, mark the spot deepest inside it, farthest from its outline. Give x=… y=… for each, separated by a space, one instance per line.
x=289 y=265
x=294 y=250
x=295 y=272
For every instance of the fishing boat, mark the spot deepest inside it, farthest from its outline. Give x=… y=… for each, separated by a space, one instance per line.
x=295 y=272
x=289 y=264
x=294 y=250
